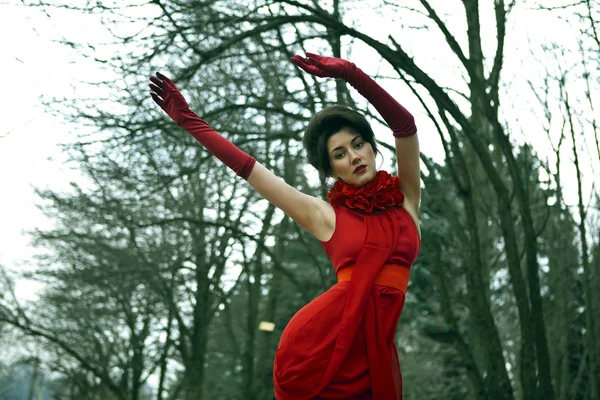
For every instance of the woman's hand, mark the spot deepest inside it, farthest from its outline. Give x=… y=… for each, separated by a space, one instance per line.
x=321 y=66
x=168 y=97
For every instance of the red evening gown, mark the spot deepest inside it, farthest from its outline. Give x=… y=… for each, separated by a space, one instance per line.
x=341 y=344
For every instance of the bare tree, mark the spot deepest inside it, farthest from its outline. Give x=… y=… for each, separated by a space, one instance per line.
x=232 y=60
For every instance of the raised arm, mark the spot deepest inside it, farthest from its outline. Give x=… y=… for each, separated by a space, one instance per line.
x=400 y=121
x=314 y=215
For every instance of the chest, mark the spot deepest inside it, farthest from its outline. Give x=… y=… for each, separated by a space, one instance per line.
x=351 y=230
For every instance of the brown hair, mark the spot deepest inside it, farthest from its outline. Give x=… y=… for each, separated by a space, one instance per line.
x=325 y=124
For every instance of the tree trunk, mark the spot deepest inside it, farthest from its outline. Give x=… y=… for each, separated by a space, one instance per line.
x=497 y=382
x=590 y=333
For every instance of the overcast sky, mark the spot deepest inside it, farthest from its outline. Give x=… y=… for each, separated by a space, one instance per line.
x=33 y=66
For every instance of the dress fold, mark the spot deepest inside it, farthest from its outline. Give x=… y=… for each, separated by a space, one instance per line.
x=341 y=344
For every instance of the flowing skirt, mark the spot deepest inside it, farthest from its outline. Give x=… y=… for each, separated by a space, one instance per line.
x=308 y=342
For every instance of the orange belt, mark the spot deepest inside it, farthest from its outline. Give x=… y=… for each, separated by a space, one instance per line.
x=391 y=275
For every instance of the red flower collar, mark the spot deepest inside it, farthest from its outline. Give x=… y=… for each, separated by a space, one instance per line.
x=379 y=194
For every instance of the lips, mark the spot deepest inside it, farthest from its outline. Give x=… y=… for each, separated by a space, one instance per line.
x=360 y=169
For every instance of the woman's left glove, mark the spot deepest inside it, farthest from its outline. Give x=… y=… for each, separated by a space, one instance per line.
x=400 y=121
x=169 y=98
x=323 y=67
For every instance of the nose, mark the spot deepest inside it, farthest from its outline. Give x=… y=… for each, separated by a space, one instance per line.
x=354 y=157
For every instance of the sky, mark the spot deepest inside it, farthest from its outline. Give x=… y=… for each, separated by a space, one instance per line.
x=34 y=66
x=30 y=136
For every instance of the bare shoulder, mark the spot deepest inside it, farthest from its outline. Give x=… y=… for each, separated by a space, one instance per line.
x=313 y=214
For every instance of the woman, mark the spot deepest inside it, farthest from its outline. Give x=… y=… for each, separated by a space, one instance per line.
x=340 y=345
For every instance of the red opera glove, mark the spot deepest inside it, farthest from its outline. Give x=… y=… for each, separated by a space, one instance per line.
x=400 y=121
x=169 y=98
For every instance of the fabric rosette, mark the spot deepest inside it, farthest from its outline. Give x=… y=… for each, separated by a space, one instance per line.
x=381 y=193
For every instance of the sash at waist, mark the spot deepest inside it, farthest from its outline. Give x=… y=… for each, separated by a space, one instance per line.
x=391 y=275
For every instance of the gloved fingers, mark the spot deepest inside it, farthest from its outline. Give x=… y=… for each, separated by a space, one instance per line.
x=302 y=63
x=311 y=69
x=299 y=61
x=314 y=56
x=165 y=80
x=319 y=61
x=316 y=71
x=156 y=81
x=156 y=90
x=315 y=62
x=157 y=99
x=161 y=76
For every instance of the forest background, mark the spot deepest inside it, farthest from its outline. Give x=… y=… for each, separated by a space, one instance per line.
x=154 y=265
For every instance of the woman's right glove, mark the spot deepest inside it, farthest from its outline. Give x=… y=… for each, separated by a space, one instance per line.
x=400 y=121
x=169 y=98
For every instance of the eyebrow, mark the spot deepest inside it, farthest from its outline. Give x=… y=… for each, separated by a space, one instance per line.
x=352 y=141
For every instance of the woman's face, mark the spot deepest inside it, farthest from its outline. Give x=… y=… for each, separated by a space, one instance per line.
x=352 y=158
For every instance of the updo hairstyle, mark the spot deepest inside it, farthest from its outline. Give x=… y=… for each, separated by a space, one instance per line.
x=324 y=124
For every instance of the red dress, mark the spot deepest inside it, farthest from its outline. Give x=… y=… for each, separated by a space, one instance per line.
x=341 y=344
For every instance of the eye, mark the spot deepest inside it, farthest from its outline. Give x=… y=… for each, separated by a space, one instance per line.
x=359 y=145
x=339 y=156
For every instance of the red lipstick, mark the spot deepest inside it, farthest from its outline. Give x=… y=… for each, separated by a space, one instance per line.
x=360 y=169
